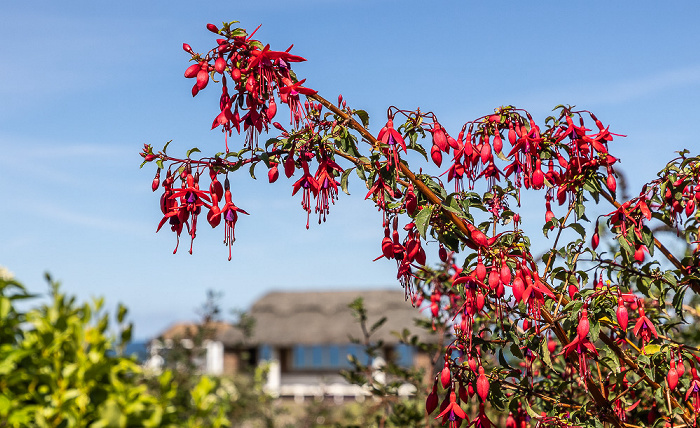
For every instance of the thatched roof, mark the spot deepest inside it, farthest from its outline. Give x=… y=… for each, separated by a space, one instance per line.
x=323 y=317
x=319 y=317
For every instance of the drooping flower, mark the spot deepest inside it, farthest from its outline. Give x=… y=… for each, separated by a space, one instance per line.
x=327 y=186
x=230 y=213
x=309 y=184
x=453 y=412
x=644 y=328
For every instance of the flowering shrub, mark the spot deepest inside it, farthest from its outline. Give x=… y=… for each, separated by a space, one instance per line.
x=576 y=337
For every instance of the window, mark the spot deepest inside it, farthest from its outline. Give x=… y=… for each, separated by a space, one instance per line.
x=326 y=357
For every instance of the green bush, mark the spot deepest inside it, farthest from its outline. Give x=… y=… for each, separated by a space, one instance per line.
x=60 y=367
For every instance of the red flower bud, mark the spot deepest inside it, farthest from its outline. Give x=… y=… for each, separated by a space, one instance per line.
x=610 y=181
x=212 y=28
x=639 y=254
x=622 y=315
x=538 y=176
x=271 y=109
x=186 y=48
x=573 y=289
x=432 y=401
x=583 y=324
x=202 y=79
x=505 y=274
x=518 y=288
x=273 y=174
x=220 y=65
x=442 y=253
x=482 y=384
x=445 y=376
x=436 y=155
x=192 y=71
x=595 y=240
x=494 y=278
x=156 y=181
x=672 y=376
x=485 y=152
x=480 y=270
x=680 y=368
x=439 y=138
x=497 y=143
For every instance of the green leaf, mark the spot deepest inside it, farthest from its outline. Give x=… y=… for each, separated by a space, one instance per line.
x=515 y=350
x=121 y=313
x=377 y=324
x=252 y=170
x=529 y=410
x=361 y=173
x=165 y=147
x=192 y=150
x=364 y=117
x=344 y=180
x=578 y=228
x=422 y=220
x=546 y=357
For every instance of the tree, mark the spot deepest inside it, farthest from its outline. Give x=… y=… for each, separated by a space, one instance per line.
x=60 y=367
x=577 y=337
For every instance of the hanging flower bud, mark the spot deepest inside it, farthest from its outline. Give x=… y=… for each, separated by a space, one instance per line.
x=436 y=155
x=497 y=143
x=494 y=278
x=273 y=174
x=583 y=324
x=156 y=181
x=538 y=176
x=220 y=65
x=672 y=376
x=622 y=315
x=595 y=240
x=680 y=367
x=610 y=181
x=518 y=288
x=505 y=274
x=432 y=401
x=480 y=270
x=202 y=79
x=442 y=253
x=439 y=138
x=192 y=71
x=445 y=375
x=482 y=384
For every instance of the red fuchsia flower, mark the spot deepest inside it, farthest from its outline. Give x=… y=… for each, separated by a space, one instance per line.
x=309 y=184
x=694 y=390
x=290 y=94
x=453 y=412
x=482 y=421
x=644 y=327
x=377 y=190
x=230 y=213
x=327 y=186
x=582 y=346
x=391 y=137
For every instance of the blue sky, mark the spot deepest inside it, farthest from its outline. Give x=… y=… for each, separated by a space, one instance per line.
x=84 y=85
